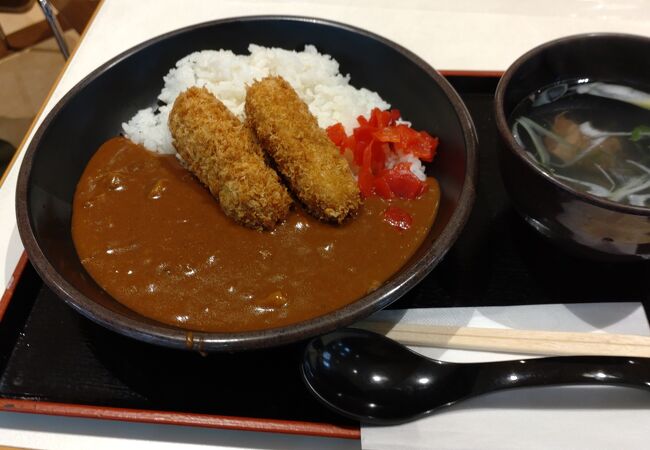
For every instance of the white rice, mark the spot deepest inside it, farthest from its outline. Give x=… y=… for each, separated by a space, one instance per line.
x=314 y=76
x=417 y=168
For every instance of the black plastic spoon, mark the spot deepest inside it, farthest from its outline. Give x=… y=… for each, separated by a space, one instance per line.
x=370 y=378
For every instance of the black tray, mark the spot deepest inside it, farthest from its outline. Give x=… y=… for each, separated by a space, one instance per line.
x=50 y=353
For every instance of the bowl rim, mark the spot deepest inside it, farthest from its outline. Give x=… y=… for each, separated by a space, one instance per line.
x=520 y=151
x=154 y=332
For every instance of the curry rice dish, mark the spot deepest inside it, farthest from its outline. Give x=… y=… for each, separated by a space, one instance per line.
x=153 y=237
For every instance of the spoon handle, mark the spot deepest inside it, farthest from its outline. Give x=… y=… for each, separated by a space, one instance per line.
x=611 y=370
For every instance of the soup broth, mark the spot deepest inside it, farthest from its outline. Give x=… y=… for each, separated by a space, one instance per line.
x=592 y=136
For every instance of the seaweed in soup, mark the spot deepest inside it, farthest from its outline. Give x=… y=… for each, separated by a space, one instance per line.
x=593 y=136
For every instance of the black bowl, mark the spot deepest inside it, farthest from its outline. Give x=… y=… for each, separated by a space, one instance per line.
x=94 y=110
x=581 y=223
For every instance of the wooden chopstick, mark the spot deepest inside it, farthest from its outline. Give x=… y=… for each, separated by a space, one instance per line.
x=531 y=342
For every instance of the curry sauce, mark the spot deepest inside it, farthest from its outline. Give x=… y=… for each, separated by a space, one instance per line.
x=156 y=240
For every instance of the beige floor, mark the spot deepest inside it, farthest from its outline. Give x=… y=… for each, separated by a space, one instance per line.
x=13 y=22
x=25 y=80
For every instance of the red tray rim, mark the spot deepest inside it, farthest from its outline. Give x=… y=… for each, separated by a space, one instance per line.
x=179 y=418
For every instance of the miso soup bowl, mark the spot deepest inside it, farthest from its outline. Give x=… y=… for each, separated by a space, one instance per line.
x=581 y=223
x=93 y=111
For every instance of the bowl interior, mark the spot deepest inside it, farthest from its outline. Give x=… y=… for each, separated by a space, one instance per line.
x=95 y=109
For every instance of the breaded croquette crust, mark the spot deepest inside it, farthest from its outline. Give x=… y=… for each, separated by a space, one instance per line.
x=301 y=150
x=225 y=156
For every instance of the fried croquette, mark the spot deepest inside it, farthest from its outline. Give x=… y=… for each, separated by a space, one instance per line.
x=301 y=150
x=225 y=156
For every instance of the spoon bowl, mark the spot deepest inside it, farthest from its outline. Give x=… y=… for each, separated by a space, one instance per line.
x=370 y=378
